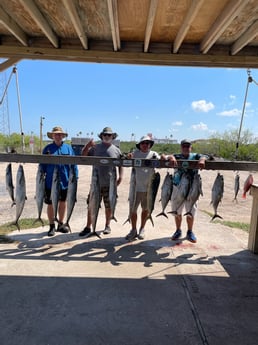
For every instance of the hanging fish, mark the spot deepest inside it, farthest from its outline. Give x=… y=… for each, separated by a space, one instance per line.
x=247 y=185
x=20 y=195
x=9 y=182
x=236 y=186
x=217 y=194
x=166 y=192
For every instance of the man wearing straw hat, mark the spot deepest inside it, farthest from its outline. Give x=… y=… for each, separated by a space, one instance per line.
x=57 y=147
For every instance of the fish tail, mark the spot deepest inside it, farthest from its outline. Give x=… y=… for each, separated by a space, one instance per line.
x=216 y=216
x=188 y=214
x=244 y=196
x=162 y=214
x=39 y=219
x=127 y=220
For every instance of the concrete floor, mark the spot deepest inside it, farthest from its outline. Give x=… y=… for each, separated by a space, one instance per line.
x=72 y=290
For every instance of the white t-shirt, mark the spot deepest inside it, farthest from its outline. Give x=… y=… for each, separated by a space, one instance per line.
x=143 y=173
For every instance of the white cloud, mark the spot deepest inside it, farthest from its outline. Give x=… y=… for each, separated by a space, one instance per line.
x=202 y=106
x=232 y=112
x=177 y=123
x=232 y=97
x=200 y=127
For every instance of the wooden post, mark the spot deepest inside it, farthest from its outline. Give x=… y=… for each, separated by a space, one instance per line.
x=253 y=234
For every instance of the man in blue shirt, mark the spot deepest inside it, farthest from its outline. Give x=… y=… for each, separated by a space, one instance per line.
x=57 y=147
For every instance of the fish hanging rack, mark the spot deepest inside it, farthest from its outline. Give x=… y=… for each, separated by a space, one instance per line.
x=249 y=80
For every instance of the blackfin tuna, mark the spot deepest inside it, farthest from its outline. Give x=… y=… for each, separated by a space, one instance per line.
x=217 y=194
x=166 y=192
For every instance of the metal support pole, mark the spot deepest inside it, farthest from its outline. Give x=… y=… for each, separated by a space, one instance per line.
x=40 y=133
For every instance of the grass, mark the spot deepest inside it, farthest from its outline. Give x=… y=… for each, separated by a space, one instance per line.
x=230 y=224
x=26 y=223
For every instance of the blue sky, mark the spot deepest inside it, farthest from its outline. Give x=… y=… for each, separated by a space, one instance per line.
x=172 y=102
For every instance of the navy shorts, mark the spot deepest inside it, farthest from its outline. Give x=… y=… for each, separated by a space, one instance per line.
x=62 y=196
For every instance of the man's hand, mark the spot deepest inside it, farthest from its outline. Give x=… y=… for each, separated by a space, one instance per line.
x=171 y=159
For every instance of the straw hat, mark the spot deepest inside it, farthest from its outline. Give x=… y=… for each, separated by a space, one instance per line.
x=107 y=130
x=145 y=138
x=56 y=130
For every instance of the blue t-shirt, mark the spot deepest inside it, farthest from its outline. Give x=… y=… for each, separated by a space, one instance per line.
x=64 y=150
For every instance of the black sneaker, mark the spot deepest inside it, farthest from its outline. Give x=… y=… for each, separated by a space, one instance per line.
x=176 y=235
x=63 y=228
x=52 y=230
x=85 y=231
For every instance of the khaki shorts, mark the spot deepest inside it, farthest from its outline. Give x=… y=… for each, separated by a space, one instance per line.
x=141 y=198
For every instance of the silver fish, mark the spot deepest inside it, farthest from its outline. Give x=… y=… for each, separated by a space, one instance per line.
x=113 y=193
x=180 y=193
x=71 y=194
x=236 y=186
x=166 y=192
x=132 y=194
x=217 y=194
x=9 y=182
x=20 y=195
x=55 y=191
x=40 y=192
x=152 y=190
x=194 y=193
x=94 y=199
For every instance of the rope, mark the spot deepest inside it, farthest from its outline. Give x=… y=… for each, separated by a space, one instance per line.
x=19 y=106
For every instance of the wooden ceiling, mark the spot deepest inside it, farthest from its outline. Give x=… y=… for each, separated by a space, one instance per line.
x=209 y=33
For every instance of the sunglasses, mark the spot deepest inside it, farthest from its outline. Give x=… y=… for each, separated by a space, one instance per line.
x=107 y=135
x=186 y=146
x=145 y=142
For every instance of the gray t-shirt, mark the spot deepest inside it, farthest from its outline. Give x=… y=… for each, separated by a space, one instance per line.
x=103 y=150
x=143 y=174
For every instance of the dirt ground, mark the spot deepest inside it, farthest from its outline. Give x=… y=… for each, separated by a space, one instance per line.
x=230 y=210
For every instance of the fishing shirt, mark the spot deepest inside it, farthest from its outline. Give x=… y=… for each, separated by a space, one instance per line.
x=143 y=174
x=178 y=172
x=103 y=150
x=64 y=150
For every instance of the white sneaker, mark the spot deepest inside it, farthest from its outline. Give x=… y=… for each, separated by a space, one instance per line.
x=141 y=235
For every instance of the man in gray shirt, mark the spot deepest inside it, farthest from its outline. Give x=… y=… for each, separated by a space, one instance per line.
x=104 y=149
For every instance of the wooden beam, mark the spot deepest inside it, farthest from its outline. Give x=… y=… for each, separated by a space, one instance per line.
x=247 y=37
x=150 y=22
x=74 y=16
x=228 y=14
x=13 y=27
x=106 y=161
x=8 y=63
x=116 y=22
x=37 y=16
x=253 y=231
x=153 y=59
x=188 y=19
x=113 y=19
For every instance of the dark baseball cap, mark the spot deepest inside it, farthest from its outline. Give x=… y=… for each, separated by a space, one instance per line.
x=186 y=142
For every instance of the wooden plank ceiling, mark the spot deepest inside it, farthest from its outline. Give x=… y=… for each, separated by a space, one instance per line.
x=211 y=33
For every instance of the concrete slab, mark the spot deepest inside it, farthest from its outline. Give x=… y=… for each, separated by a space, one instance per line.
x=71 y=290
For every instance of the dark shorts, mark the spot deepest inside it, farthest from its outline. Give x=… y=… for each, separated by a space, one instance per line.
x=104 y=193
x=62 y=196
